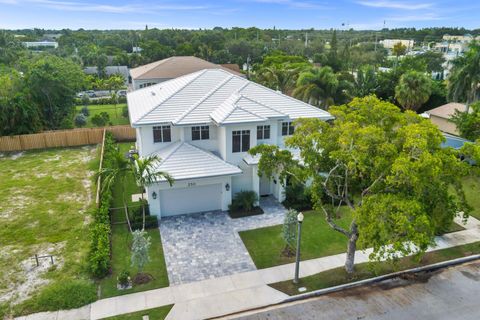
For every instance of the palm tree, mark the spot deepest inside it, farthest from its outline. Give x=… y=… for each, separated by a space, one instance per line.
x=144 y=174
x=366 y=82
x=413 y=90
x=317 y=86
x=464 y=80
x=279 y=77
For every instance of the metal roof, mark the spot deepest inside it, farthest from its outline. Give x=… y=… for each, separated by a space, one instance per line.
x=214 y=95
x=185 y=161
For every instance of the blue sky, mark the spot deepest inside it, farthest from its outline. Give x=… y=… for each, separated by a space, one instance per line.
x=294 y=14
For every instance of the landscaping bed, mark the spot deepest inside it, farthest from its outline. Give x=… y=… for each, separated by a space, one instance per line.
x=338 y=276
x=121 y=241
x=45 y=203
x=234 y=214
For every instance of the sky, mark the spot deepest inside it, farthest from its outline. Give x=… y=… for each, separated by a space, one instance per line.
x=194 y=14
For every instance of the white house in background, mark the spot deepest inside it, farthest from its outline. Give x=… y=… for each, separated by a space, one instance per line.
x=171 y=68
x=201 y=125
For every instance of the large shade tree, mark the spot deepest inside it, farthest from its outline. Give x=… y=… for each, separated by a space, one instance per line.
x=413 y=90
x=386 y=165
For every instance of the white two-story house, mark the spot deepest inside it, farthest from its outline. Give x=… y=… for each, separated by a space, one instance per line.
x=201 y=125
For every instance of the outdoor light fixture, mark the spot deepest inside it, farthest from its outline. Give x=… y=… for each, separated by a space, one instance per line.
x=227 y=187
x=297 y=258
x=154 y=195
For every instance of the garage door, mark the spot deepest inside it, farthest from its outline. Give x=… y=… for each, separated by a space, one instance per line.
x=193 y=199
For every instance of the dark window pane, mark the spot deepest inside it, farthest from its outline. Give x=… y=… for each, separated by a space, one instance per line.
x=236 y=141
x=284 y=128
x=245 y=140
x=205 y=133
x=166 y=134
x=259 y=132
x=266 y=132
x=195 y=133
x=291 y=128
x=157 y=134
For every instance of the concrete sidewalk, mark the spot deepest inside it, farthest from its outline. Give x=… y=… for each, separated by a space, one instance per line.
x=233 y=293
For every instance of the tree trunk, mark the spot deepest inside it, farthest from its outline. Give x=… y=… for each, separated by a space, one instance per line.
x=143 y=212
x=351 y=248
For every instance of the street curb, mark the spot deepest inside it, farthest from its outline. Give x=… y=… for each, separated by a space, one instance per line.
x=320 y=292
x=430 y=267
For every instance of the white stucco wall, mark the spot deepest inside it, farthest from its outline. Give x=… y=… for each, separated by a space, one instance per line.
x=145 y=139
x=138 y=82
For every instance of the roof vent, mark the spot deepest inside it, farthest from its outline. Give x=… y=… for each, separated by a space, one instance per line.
x=153 y=93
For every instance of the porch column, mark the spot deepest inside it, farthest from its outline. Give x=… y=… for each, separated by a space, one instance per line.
x=255 y=181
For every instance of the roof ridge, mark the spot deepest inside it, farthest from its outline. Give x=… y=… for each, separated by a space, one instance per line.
x=237 y=97
x=175 y=148
x=173 y=93
x=205 y=97
x=262 y=104
x=209 y=153
x=284 y=95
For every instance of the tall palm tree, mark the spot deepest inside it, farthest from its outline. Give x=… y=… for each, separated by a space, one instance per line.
x=464 y=81
x=317 y=86
x=278 y=77
x=144 y=174
x=413 y=90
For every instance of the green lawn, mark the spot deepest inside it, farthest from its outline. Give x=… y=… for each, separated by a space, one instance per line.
x=318 y=240
x=116 y=117
x=471 y=186
x=45 y=198
x=367 y=270
x=153 y=314
x=121 y=239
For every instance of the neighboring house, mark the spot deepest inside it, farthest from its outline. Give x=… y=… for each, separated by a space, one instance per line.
x=390 y=43
x=110 y=71
x=441 y=116
x=201 y=125
x=171 y=68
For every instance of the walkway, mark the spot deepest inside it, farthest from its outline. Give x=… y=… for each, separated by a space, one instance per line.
x=232 y=293
x=207 y=245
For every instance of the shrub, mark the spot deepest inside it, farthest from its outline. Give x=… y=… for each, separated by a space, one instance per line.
x=102 y=101
x=99 y=255
x=298 y=197
x=244 y=200
x=124 y=278
x=80 y=120
x=151 y=222
x=85 y=111
x=101 y=119
x=140 y=245
x=125 y=112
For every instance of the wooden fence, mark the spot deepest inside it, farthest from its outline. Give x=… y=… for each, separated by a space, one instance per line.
x=64 y=138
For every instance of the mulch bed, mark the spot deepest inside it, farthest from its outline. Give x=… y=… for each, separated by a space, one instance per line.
x=240 y=214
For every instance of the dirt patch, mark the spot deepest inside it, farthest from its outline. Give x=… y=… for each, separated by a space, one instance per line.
x=31 y=275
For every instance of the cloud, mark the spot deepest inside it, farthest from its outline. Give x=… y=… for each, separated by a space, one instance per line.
x=105 y=8
x=394 y=4
x=293 y=3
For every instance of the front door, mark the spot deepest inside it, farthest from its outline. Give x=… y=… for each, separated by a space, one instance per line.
x=264 y=186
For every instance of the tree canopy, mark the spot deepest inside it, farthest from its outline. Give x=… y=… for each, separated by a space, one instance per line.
x=387 y=166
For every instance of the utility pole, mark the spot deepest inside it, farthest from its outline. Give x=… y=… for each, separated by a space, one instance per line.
x=306 y=39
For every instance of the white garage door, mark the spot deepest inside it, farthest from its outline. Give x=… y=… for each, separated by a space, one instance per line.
x=189 y=200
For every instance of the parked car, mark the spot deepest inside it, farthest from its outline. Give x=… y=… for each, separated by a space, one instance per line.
x=122 y=93
x=91 y=93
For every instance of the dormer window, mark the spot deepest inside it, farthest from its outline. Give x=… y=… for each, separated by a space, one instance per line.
x=200 y=133
x=162 y=134
x=287 y=128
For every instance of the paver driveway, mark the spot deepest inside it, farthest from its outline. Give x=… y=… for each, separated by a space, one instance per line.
x=200 y=246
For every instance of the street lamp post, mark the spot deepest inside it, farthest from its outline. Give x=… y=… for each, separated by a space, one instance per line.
x=299 y=235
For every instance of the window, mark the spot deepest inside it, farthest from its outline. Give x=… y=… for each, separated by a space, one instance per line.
x=240 y=140
x=263 y=132
x=200 y=133
x=287 y=128
x=162 y=134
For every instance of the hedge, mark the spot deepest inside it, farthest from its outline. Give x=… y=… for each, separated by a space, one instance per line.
x=99 y=256
x=101 y=101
